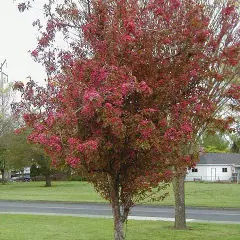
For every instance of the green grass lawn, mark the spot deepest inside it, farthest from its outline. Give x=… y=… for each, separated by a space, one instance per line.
x=197 y=194
x=33 y=227
x=60 y=191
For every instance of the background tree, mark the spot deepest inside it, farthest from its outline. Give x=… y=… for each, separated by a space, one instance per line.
x=19 y=153
x=235 y=148
x=6 y=123
x=44 y=164
x=34 y=171
x=235 y=138
x=214 y=86
x=215 y=143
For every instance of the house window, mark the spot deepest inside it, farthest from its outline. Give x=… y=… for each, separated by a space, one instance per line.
x=224 y=169
x=194 y=170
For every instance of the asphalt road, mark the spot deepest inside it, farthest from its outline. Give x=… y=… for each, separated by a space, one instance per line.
x=104 y=210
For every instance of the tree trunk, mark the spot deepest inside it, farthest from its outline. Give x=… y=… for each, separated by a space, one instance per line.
x=3 y=175
x=48 y=180
x=118 y=218
x=118 y=223
x=179 y=194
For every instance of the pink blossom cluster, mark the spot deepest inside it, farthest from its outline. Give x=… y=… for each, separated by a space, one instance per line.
x=145 y=89
x=91 y=95
x=98 y=76
x=44 y=40
x=51 y=142
x=228 y=10
x=127 y=88
x=234 y=92
x=130 y=26
x=146 y=129
x=50 y=119
x=186 y=128
x=82 y=147
x=73 y=161
x=34 y=53
x=171 y=134
x=29 y=118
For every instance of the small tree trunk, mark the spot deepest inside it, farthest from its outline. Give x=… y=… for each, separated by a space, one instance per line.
x=179 y=194
x=48 y=180
x=118 y=223
x=68 y=173
x=118 y=218
x=3 y=175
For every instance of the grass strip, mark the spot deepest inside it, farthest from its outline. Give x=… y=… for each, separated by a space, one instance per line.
x=216 y=195
x=34 y=227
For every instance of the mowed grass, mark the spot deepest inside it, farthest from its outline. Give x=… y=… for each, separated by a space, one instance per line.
x=220 y=195
x=68 y=191
x=33 y=227
x=216 y=195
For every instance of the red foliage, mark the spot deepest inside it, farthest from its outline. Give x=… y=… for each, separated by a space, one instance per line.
x=129 y=108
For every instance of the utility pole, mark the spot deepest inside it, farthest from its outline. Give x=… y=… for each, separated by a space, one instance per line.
x=3 y=80
x=4 y=76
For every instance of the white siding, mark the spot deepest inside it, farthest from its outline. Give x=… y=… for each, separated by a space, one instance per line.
x=208 y=172
x=201 y=171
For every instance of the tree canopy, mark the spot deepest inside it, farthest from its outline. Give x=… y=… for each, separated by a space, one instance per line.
x=128 y=96
x=215 y=143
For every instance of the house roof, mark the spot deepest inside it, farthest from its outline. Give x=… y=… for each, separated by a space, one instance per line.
x=220 y=158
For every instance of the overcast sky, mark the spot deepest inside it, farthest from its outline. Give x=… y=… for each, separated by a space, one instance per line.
x=17 y=37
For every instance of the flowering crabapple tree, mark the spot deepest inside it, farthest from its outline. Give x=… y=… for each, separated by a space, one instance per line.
x=125 y=100
x=101 y=121
x=215 y=56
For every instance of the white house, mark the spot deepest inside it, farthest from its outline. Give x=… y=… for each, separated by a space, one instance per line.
x=216 y=167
